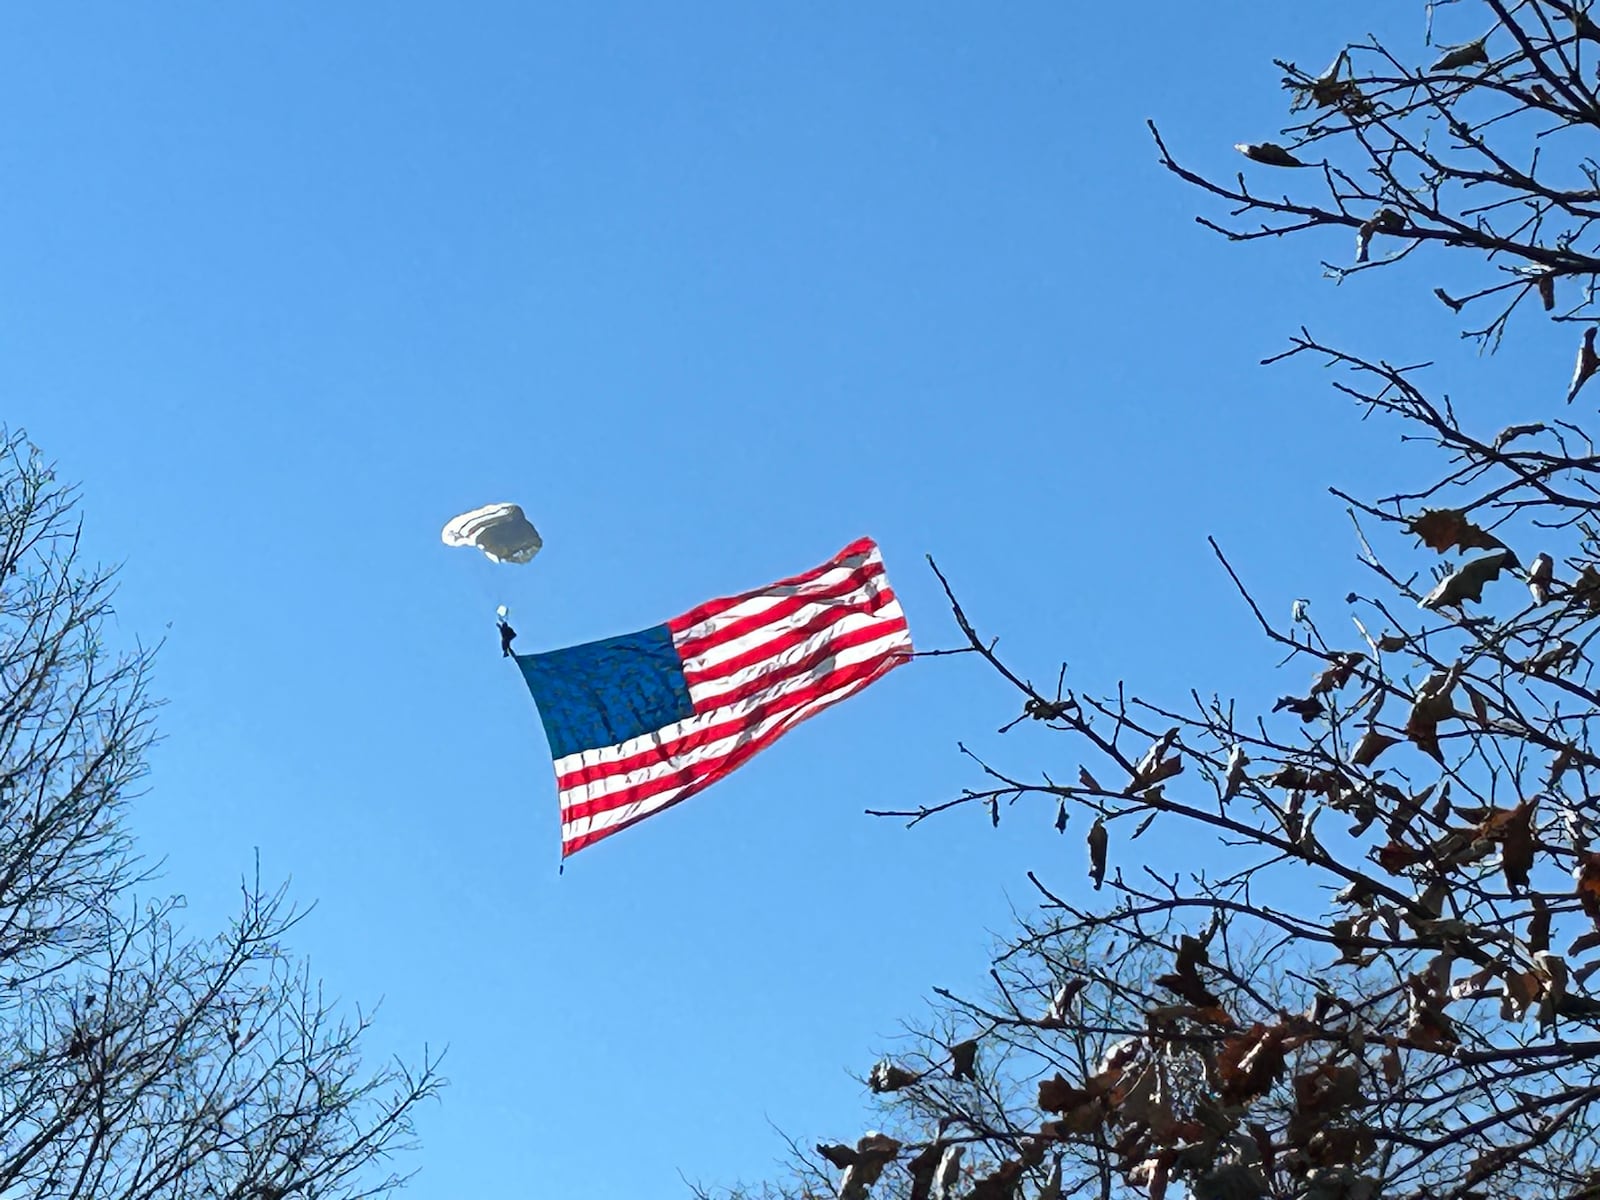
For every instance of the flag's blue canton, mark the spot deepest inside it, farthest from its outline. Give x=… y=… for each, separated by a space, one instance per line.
x=602 y=693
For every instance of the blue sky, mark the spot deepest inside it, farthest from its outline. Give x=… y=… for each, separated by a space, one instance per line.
x=711 y=290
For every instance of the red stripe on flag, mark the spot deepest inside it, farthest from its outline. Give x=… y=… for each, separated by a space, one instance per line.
x=709 y=769
x=859 y=548
x=784 y=639
x=785 y=671
x=787 y=606
x=715 y=769
x=730 y=725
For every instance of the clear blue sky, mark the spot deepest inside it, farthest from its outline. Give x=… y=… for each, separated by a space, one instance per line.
x=711 y=289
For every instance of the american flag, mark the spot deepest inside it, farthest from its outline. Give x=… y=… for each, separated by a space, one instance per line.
x=637 y=723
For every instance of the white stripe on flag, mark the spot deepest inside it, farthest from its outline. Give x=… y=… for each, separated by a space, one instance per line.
x=662 y=740
x=707 y=693
x=754 y=606
x=599 y=822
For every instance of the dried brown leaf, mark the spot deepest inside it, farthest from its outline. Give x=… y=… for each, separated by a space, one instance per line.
x=1454 y=590
x=1098 y=841
x=1446 y=529
x=890 y=1077
x=1391 y=1065
x=922 y=1169
x=1587 y=874
x=1519 y=991
x=1327 y=1090
x=1307 y=708
x=963 y=1059
x=1480 y=706
x=1583 y=942
x=1371 y=745
x=1539 y=927
x=1396 y=857
x=839 y=1155
x=1512 y=830
x=1250 y=1063
x=1586 y=589
x=1337 y=673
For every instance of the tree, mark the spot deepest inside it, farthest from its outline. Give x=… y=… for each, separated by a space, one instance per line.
x=1383 y=986
x=137 y=1062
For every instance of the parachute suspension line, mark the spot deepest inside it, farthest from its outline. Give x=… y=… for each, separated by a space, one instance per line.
x=504 y=535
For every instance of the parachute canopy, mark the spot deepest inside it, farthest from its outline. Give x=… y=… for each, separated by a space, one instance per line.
x=502 y=531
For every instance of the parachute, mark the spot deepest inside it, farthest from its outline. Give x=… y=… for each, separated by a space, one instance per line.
x=502 y=531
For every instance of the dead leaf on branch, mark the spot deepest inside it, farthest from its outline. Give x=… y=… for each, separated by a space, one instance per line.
x=1539 y=576
x=873 y=1152
x=1586 y=589
x=1552 y=971
x=1185 y=981
x=1539 y=927
x=1337 y=673
x=1587 y=874
x=839 y=1155
x=1446 y=529
x=1098 y=841
x=1326 y=1091
x=1512 y=830
x=1081 y=1109
x=1480 y=706
x=1147 y=1102
x=1350 y=935
x=1371 y=745
x=1062 y=1001
x=1583 y=942
x=1269 y=153
x=1308 y=709
x=1395 y=857
x=1519 y=991
x=1462 y=56
x=1453 y=591
x=963 y=1059
x=1431 y=705
x=1385 y=220
x=1234 y=779
x=922 y=1169
x=1588 y=363
x=890 y=1077
x=1476 y=986
x=1155 y=766
x=1427 y=1026
x=1390 y=1064
x=1250 y=1063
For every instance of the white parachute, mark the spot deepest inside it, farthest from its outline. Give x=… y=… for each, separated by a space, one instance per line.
x=502 y=531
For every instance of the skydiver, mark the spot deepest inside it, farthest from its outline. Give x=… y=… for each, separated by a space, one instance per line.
x=506 y=635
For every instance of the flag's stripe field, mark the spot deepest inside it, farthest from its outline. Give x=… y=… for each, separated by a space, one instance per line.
x=756 y=665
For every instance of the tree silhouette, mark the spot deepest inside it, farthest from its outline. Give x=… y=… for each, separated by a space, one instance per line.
x=1380 y=984
x=138 y=1062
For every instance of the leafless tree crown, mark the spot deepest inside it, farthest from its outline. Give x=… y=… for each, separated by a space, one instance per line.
x=1381 y=985
x=137 y=1062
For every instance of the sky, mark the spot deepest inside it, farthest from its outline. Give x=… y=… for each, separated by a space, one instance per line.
x=711 y=290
